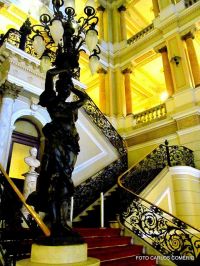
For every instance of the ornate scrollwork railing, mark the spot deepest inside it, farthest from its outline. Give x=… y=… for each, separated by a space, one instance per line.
x=166 y=233
x=105 y=126
x=172 y=237
x=140 y=175
x=19 y=38
x=140 y=34
x=87 y=192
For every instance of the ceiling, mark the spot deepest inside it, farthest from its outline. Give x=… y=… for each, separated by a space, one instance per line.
x=147 y=78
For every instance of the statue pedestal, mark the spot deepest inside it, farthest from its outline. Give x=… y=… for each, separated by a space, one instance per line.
x=29 y=186
x=69 y=255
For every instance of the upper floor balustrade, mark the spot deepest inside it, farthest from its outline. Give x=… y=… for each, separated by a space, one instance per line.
x=151 y=115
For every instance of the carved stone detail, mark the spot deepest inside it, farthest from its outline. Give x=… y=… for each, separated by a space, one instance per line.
x=10 y=90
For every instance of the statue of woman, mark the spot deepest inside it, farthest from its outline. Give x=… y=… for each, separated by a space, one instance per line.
x=55 y=186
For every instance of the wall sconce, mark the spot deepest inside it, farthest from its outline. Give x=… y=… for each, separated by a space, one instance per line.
x=176 y=59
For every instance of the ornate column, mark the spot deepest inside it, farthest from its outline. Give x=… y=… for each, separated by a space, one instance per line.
x=9 y=93
x=101 y=10
x=188 y=38
x=164 y=3
x=115 y=22
x=127 y=85
x=167 y=71
x=122 y=10
x=102 y=90
x=156 y=8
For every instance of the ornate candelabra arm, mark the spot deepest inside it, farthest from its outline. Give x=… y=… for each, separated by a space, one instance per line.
x=85 y=22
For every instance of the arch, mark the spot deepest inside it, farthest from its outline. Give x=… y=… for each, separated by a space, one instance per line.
x=34 y=116
x=23 y=142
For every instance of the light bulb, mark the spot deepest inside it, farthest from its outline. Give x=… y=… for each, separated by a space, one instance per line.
x=56 y=30
x=91 y=39
x=38 y=45
x=94 y=64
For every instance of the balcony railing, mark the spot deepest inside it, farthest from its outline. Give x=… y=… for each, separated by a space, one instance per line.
x=140 y=34
x=151 y=115
x=189 y=3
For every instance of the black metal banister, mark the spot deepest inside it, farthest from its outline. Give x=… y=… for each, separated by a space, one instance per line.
x=166 y=233
x=88 y=192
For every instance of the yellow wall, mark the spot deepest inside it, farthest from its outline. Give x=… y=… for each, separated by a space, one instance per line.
x=161 y=192
x=136 y=155
x=187 y=198
x=177 y=191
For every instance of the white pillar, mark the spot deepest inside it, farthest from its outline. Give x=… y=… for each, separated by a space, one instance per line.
x=10 y=92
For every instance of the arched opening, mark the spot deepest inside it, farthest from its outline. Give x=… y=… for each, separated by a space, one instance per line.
x=25 y=136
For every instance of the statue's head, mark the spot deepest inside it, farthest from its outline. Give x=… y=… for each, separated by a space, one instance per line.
x=33 y=152
x=63 y=87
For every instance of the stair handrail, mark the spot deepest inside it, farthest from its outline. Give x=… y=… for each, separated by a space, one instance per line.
x=169 y=235
x=99 y=119
x=31 y=211
x=106 y=178
x=143 y=172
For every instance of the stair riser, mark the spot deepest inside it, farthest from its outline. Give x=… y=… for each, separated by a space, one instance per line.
x=95 y=242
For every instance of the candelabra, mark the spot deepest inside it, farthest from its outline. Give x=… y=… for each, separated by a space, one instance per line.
x=58 y=40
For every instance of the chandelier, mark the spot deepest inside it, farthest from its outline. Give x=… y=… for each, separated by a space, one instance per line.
x=60 y=38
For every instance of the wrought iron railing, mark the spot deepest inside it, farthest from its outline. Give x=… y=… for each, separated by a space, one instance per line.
x=19 y=38
x=105 y=126
x=140 y=175
x=151 y=115
x=88 y=192
x=189 y=3
x=140 y=34
x=173 y=238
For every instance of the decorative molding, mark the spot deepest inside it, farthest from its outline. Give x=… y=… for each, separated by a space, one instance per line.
x=195 y=110
x=152 y=142
x=148 y=128
x=28 y=112
x=184 y=170
x=188 y=130
x=27 y=86
x=10 y=90
x=22 y=54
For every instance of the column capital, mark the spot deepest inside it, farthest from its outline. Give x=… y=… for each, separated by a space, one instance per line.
x=10 y=90
x=101 y=71
x=101 y=9
x=188 y=35
x=121 y=8
x=127 y=70
x=163 y=49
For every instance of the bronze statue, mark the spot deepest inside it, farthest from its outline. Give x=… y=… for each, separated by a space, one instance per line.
x=55 y=186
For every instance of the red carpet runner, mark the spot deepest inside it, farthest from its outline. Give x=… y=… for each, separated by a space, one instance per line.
x=112 y=249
